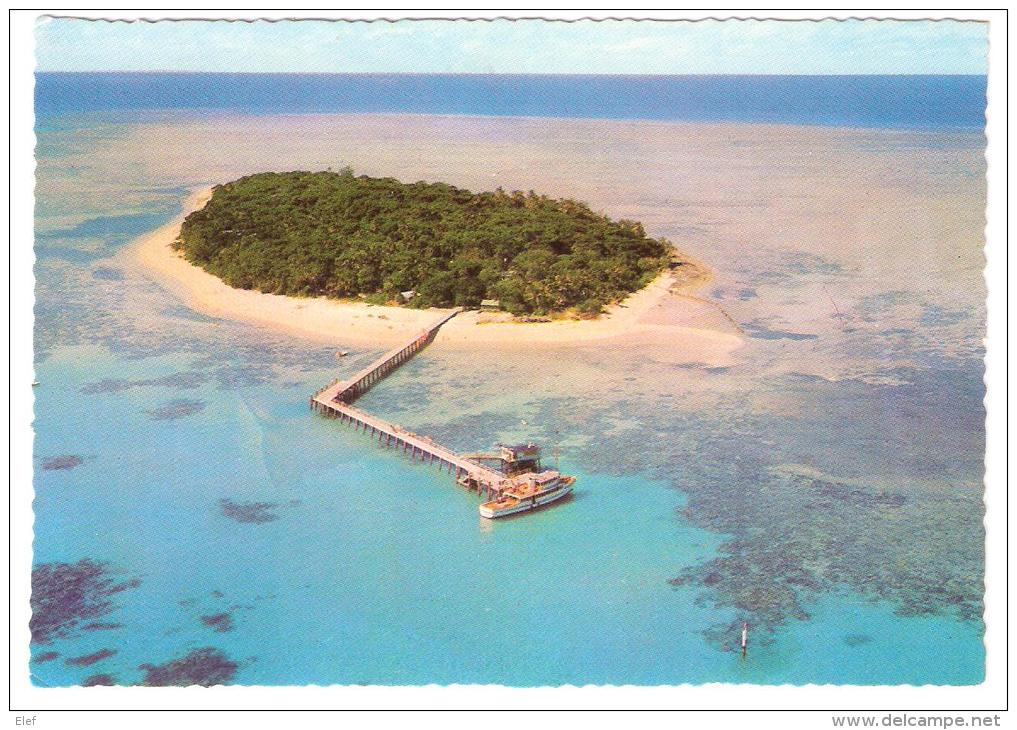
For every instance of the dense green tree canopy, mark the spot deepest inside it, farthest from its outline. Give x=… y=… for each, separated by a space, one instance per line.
x=339 y=235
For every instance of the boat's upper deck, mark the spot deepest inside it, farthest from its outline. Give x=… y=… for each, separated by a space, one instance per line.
x=528 y=485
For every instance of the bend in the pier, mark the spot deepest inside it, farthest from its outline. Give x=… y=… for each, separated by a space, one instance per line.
x=336 y=400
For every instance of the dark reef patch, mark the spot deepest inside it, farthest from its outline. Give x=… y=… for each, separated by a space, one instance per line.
x=804 y=538
x=461 y=434
x=46 y=656
x=100 y=626
x=176 y=408
x=886 y=529
x=219 y=622
x=115 y=227
x=99 y=680
x=874 y=307
x=766 y=603
x=89 y=659
x=711 y=579
x=179 y=311
x=792 y=265
x=249 y=512
x=230 y=377
x=105 y=273
x=64 y=594
x=179 y=381
x=853 y=496
x=405 y=396
x=206 y=667
x=857 y=639
x=760 y=331
x=935 y=316
x=57 y=463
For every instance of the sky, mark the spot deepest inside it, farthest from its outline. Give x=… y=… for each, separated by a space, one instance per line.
x=529 y=46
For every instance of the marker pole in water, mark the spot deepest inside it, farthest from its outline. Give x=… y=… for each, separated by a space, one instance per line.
x=745 y=637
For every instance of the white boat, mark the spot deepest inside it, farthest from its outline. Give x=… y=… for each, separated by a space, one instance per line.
x=527 y=492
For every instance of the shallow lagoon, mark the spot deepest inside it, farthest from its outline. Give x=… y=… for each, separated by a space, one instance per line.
x=826 y=486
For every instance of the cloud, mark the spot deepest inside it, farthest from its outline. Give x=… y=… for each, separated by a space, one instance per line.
x=634 y=44
x=390 y=30
x=536 y=46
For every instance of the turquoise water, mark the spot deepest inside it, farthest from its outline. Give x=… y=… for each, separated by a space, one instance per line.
x=824 y=486
x=379 y=570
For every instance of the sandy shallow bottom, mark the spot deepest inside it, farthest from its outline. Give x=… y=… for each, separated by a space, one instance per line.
x=694 y=330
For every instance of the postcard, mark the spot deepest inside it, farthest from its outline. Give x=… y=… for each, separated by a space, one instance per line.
x=514 y=352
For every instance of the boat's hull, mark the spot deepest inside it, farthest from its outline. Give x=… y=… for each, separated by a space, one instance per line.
x=525 y=505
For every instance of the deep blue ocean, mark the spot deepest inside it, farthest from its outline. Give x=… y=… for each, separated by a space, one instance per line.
x=921 y=102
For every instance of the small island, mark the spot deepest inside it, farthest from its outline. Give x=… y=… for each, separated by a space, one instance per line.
x=343 y=236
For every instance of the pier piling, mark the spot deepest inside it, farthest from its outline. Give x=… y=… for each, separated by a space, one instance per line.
x=335 y=400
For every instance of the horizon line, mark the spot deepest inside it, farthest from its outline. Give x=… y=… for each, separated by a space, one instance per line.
x=492 y=73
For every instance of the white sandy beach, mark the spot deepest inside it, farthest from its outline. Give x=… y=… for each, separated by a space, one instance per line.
x=692 y=329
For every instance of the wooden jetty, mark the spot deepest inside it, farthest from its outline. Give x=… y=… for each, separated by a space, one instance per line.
x=335 y=400
x=349 y=390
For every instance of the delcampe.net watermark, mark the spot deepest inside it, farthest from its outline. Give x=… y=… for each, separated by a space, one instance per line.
x=906 y=720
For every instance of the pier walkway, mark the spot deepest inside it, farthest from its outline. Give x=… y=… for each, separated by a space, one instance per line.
x=335 y=400
x=349 y=390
